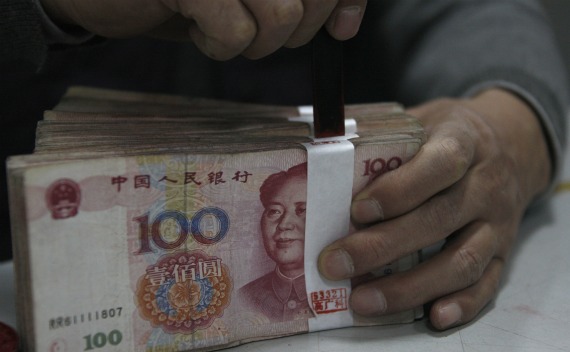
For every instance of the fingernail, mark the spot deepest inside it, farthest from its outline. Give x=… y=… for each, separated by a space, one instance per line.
x=449 y=315
x=368 y=301
x=367 y=210
x=337 y=264
x=347 y=22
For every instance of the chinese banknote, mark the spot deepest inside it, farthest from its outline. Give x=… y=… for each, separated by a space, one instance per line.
x=161 y=223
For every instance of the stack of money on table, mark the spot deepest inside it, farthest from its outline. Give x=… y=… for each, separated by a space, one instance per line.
x=162 y=223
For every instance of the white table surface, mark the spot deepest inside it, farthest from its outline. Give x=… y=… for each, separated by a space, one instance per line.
x=531 y=312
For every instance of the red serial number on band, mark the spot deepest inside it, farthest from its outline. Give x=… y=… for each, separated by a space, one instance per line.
x=329 y=301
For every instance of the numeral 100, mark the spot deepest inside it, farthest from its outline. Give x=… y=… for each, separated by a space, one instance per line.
x=208 y=226
x=99 y=340
x=379 y=166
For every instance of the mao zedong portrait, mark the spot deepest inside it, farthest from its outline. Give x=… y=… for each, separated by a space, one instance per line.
x=280 y=295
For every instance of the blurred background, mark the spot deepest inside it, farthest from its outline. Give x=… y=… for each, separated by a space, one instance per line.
x=559 y=13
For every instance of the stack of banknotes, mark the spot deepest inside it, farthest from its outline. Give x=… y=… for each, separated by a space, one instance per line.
x=149 y=222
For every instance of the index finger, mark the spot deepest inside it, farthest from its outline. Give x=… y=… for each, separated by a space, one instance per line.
x=220 y=37
x=315 y=14
x=276 y=21
x=442 y=161
x=342 y=19
x=345 y=19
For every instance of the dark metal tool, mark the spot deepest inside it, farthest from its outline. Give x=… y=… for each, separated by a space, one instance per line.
x=328 y=90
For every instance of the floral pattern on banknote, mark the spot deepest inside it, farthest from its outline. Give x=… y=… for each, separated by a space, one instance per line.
x=184 y=292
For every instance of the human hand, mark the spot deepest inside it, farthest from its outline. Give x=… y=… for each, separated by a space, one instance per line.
x=484 y=161
x=221 y=29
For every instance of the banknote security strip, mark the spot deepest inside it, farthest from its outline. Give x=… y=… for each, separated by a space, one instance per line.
x=330 y=164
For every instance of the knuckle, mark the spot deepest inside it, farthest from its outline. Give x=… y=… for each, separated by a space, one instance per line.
x=455 y=158
x=287 y=13
x=377 y=248
x=241 y=33
x=224 y=46
x=468 y=266
x=444 y=216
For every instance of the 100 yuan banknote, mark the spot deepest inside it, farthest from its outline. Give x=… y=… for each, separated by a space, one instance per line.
x=172 y=252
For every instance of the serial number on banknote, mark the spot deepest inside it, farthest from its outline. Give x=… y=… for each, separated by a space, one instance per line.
x=68 y=320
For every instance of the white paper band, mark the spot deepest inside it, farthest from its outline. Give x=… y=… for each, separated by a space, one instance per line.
x=329 y=192
x=350 y=126
x=306 y=110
